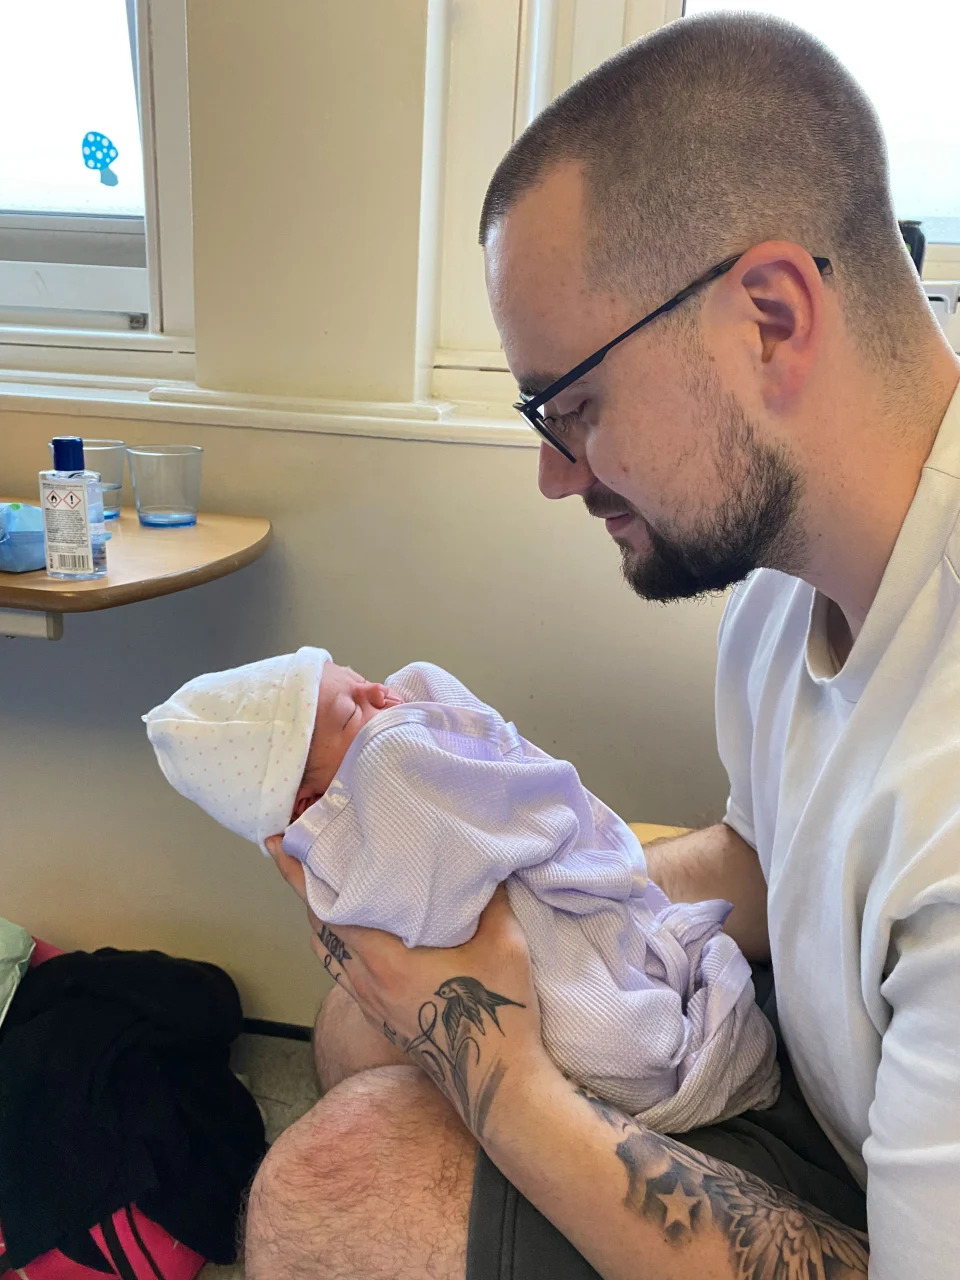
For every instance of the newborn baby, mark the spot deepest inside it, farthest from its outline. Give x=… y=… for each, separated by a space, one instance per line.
x=409 y=802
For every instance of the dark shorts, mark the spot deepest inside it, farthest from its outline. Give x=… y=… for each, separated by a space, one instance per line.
x=510 y=1240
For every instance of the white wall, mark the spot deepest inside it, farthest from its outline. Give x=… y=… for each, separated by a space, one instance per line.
x=385 y=551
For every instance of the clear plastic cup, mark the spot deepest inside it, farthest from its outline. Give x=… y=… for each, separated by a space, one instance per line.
x=107 y=458
x=166 y=483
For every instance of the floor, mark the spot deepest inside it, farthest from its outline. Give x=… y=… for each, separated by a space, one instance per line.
x=279 y=1073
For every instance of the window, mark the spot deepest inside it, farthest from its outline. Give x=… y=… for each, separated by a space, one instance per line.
x=505 y=59
x=93 y=96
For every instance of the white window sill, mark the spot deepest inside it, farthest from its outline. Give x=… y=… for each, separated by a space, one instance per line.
x=183 y=402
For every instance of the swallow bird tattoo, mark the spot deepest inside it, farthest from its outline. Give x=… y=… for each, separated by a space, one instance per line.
x=468 y=1000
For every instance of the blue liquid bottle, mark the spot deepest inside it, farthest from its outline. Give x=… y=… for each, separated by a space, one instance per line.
x=71 y=499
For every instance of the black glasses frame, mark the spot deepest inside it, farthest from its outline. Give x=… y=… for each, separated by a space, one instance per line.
x=529 y=406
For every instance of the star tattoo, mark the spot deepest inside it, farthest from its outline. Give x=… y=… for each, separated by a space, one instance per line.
x=678 y=1206
x=770 y=1233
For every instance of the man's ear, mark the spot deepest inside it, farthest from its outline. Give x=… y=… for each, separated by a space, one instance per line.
x=305 y=798
x=785 y=292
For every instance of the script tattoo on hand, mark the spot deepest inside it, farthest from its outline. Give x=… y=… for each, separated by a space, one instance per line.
x=448 y=1050
x=336 y=950
x=770 y=1233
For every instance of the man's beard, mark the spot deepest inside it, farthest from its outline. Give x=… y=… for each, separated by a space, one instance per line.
x=753 y=526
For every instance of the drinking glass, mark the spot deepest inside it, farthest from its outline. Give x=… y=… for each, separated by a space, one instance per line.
x=166 y=483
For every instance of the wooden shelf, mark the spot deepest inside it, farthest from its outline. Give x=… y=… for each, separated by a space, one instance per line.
x=143 y=563
x=646 y=832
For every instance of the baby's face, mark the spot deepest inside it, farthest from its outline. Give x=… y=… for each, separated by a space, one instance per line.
x=345 y=703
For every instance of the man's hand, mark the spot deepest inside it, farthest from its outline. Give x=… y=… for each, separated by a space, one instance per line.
x=464 y=1014
x=716 y=863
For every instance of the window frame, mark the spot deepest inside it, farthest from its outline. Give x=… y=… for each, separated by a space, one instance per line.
x=83 y=342
x=56 y=237
x=941 y=261
x=556 y=42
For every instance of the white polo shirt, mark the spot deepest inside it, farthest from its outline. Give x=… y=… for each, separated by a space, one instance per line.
x=847 y=783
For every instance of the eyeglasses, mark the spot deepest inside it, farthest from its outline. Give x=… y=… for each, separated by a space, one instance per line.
x=529 y=406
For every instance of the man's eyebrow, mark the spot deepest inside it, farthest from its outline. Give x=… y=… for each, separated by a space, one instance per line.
x=532 y=384
x=536 y=383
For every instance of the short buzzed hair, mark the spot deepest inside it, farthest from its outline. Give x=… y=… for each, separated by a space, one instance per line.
x=711 y=135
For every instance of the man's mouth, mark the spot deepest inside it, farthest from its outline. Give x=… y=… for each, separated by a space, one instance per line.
x=616 y=524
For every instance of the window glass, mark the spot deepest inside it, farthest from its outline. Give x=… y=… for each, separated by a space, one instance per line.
x=69 y=126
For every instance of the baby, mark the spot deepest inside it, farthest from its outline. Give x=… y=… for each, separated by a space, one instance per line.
x=409 y=802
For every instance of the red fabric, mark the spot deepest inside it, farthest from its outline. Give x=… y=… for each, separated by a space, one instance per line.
x=43 y=951
x=173 y=1259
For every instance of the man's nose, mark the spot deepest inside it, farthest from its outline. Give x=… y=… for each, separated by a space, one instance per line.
x=560 y=478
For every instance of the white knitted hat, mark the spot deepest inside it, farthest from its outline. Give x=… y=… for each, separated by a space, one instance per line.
x=236 y=742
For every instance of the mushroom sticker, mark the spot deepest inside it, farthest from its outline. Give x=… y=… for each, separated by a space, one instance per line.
x=100 y=153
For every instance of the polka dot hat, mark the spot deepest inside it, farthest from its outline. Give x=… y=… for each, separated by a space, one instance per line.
x=235 y=742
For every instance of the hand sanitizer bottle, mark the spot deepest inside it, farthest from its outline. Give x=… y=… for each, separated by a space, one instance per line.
x=71 y=500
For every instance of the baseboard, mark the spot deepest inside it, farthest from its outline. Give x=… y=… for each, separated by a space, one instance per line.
x=286 y=1030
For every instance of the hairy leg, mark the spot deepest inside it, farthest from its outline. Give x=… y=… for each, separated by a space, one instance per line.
x=373 y=1184
x=344 y=1043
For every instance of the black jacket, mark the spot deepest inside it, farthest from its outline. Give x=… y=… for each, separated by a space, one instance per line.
x=115 y=1087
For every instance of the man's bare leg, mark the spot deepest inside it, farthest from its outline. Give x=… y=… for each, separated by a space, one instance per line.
x=344 y=1043
x=374 y=1183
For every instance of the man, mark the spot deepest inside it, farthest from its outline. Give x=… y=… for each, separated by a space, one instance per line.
x=793 y=412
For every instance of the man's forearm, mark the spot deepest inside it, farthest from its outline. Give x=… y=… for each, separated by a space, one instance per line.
x=640 y=1206
x=716 y=863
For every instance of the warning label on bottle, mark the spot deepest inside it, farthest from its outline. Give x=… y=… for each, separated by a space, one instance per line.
x=66 y=526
